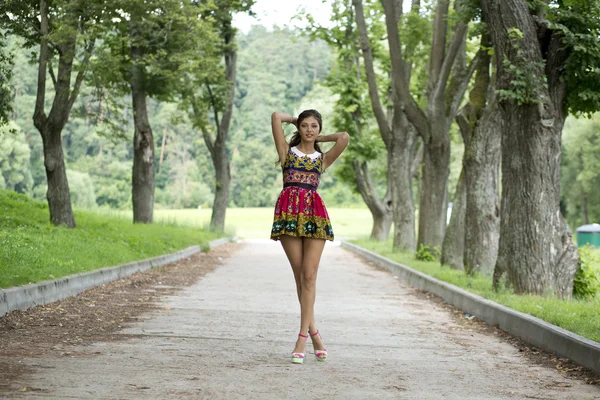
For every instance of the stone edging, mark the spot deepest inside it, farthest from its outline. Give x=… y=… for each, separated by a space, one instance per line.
x=23 y=297
x=530 y=329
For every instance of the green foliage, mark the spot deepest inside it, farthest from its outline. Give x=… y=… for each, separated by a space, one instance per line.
x=426 y=252
x=33 y=250
x=81 y=188
x=580 y=170
x=14 y=159
x=6 y=64
x=579 y=316
x=526 y=78
x=578 y=22
x=587 y=278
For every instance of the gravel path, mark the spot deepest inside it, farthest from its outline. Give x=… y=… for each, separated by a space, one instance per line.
x=229 y=336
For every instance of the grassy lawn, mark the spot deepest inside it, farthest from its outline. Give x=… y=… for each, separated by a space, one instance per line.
x=256 y=222
x=578 y=316
x=33 y=250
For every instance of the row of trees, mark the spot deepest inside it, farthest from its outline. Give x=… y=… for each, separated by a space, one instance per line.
x=506 y=73
x=143 y=49
x=98 y=155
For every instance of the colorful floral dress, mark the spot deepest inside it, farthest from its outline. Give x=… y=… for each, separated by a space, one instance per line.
x=299 y=210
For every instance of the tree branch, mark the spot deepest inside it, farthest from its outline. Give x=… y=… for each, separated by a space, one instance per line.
x=39 y=116
x=207 y=140
x=215 y=111
x=444 y=73
x=380 y=116
x=457 y=96
x=51 y=71
x=417 y=159
x=230 y=72
x=415 y=115
x=81 y=73
x=438 y=45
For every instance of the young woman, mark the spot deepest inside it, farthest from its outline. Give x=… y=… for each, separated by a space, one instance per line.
x=301 y=222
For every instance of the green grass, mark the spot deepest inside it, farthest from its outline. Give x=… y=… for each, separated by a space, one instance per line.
x=33 y=250
x=579 y=316
x=256 y=222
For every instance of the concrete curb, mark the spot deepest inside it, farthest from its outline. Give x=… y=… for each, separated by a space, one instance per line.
x=23 y=297
x=531 y=329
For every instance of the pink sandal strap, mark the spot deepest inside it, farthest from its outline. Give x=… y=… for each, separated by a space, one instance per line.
x=303 y=336
x=314 y=334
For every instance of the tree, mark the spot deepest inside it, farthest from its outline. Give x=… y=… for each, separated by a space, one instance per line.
x=147 y=53
x=446 y=84
x=432 y=124
x=218 y=93
x=547 y=57
x=64 y=29
x=471 y=240
x=352 y=114
x=396 y=131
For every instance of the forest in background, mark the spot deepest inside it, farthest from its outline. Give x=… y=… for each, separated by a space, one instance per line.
x=99 y=158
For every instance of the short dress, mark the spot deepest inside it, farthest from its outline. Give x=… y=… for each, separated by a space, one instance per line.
x=300 y=211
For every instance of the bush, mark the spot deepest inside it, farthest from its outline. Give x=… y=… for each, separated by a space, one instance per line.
x=587 y=278
x=427 y=253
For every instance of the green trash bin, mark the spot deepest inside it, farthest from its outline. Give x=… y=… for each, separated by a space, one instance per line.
x=588 y=234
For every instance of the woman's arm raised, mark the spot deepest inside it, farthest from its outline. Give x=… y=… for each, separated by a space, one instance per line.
x=277 y=118
x=341 y=140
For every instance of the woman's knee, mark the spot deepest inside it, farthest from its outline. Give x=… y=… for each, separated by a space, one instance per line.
x=309 y=278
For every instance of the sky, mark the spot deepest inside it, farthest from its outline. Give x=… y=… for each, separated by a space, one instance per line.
x=280 y=13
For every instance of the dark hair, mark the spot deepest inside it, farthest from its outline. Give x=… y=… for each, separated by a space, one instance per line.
x=295 y=141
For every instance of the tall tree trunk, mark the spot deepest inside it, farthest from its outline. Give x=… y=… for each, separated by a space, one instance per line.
x=222 y=182
x=382 y=224
x=584 y=209
x=535 y=248
x=453 y=246
x=482 y=165
x=480 y=126
x=218 y=148
x=58 y=194
x=381 y=209
x=433 y=197
x=400 y=158
x=50 y=126
x=399 y=138
x=143 y=144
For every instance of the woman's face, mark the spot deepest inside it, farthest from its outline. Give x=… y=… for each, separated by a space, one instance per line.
x=309 y=129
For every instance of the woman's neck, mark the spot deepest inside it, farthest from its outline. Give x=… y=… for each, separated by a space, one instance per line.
x=306 y=147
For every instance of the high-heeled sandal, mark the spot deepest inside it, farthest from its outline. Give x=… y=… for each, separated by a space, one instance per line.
x=298 y=358
x=320 y=354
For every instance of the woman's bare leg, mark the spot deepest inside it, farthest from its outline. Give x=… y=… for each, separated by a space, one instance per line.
x=294 y=249
x=311 y=257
